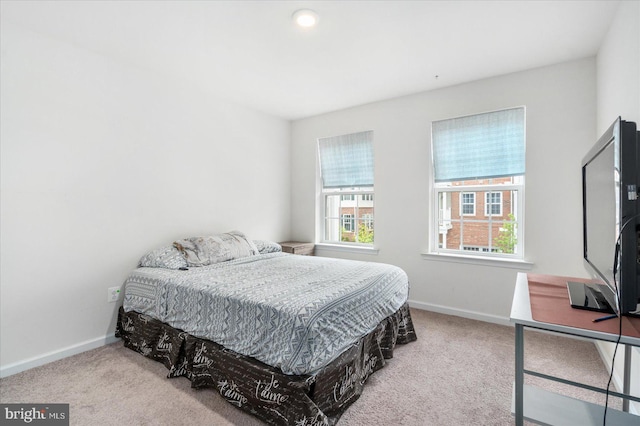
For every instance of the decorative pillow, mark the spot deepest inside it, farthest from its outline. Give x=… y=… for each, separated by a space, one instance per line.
x=203 y=251
x=265 y=247
x=164 y=257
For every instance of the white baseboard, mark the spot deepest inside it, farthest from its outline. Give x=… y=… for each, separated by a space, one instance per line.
x=479 y=316
x=606 y=359
x=15 y=368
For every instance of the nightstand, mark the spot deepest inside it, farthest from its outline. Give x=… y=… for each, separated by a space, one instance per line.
x=296 y=247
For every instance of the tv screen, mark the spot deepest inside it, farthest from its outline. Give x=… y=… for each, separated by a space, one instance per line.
x=610 y=213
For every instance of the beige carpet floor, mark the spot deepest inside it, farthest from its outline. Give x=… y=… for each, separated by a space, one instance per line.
x=459 y=372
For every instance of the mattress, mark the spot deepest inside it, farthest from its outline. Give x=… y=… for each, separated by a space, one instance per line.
x=295 y=313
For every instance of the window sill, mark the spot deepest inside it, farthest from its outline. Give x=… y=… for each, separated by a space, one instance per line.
x=346 y=248
x=477 y=260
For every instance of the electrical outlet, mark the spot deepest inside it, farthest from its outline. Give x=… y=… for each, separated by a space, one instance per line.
x=113 y=294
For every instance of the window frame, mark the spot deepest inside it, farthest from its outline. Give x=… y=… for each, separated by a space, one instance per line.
x=348 y=160
x=462 y=204
x=439 y=188
x=488 y=203
x=357 y=218
x=367 y=220
x=347 y=222
x=446 y=184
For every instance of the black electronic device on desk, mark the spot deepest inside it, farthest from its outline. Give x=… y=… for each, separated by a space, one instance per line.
x=591 y=296
x=611 y=221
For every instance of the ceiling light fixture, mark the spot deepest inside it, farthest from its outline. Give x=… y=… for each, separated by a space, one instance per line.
x=305 y=18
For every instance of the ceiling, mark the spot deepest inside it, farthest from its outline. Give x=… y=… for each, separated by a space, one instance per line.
x=249 y=52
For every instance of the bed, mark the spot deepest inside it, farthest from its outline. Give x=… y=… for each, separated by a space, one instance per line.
x=290 y=339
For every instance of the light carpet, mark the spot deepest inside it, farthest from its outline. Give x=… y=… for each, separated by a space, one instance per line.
x=459 y=372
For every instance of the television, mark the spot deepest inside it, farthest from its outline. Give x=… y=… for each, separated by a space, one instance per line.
x=611 y=244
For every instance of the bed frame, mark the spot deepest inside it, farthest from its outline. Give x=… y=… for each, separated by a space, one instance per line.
x=260 y=389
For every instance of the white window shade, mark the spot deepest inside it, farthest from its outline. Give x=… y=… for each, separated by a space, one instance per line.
x=346 y=161
x=479 y=146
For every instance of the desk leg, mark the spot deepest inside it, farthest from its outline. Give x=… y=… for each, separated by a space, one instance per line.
x=519 y=412
x=626 y=384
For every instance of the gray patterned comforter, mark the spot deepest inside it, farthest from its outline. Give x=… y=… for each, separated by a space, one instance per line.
x=297 y=313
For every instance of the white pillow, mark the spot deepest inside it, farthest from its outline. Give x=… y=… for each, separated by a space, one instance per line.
x=203 y=251
x=164 y=257
x=265 y=247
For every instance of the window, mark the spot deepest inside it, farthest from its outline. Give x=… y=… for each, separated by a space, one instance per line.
x=478 y=249
x=493 y=204
x=479 y=159
x=469 y=203
x=346 y=178
x=347 y=222
x=367 y=220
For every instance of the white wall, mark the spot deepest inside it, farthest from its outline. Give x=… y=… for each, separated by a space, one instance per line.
x=560 y=105
x=102 y=162
x=618 y=67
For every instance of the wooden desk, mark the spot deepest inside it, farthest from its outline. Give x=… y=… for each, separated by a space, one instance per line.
x=545 y=407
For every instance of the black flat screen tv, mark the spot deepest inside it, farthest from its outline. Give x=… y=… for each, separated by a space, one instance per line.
x=610 y=173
